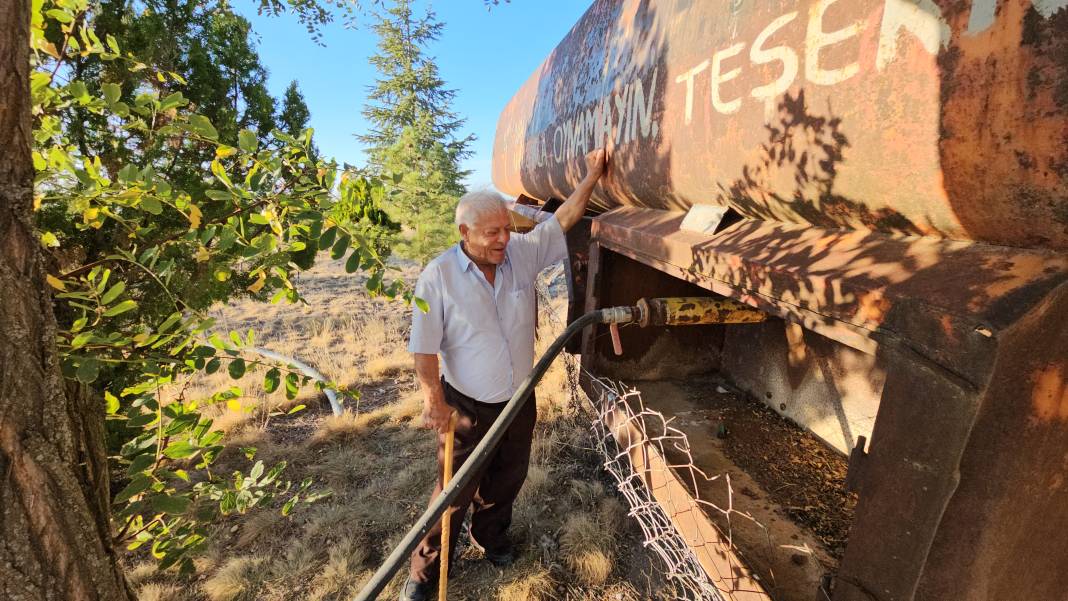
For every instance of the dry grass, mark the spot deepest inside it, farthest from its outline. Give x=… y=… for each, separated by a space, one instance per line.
x=160 y=592
x=534 y=586
x=587 y=548
x=389 y=365
x=237 y=580
x=379 y=466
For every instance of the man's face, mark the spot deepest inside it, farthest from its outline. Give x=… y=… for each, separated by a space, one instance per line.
x=486 y=239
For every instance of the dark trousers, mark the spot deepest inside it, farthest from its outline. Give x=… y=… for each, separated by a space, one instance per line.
x=494 y=487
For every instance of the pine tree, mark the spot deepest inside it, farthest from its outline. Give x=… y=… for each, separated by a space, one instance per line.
x=414 y=132
x=295 y=113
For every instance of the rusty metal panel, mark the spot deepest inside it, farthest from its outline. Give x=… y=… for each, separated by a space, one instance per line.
x=849 y=286
x=963 y=491
x=932 y=117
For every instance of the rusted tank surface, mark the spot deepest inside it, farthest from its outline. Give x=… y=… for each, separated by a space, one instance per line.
x=945 y=118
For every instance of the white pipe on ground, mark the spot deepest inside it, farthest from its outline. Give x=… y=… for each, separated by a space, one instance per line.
x=308 y=370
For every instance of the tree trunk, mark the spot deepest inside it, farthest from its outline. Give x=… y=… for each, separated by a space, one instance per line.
x=55 y=533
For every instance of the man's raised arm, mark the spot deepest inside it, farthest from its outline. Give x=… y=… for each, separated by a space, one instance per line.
x=572 y=210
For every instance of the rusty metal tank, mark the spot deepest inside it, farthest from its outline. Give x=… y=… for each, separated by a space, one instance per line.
x=888 y=181
x=945 y=118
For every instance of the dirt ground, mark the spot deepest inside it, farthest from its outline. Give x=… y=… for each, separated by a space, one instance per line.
x=802 y=475
x=574 y=538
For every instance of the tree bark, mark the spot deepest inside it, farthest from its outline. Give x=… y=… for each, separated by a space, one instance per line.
x=55 y=533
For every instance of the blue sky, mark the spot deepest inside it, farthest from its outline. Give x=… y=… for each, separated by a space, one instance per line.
x=485 y=55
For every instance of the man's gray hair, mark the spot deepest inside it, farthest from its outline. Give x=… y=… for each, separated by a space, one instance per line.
x=479 y=203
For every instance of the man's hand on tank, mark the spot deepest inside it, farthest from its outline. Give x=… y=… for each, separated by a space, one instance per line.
x=596 y=160
x=436 y=414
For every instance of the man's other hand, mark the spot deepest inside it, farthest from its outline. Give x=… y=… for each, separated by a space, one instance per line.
x=436 y=414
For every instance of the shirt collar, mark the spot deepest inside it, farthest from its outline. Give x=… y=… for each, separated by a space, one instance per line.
x=466 y=262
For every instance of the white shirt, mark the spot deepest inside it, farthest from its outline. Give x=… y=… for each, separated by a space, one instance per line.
x=485 y=334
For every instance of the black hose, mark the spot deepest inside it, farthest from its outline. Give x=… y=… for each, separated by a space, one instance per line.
x=480 y=454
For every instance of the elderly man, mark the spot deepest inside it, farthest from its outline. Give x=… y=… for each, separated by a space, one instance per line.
x=481 y=321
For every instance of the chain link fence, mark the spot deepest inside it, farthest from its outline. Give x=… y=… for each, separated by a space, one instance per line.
x=623 y=429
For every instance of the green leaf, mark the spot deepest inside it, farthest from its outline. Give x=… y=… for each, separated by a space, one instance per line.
x=169 y=322
x=112 y=92
x=216 y=341
x=172 y=101
x=176 y=504
x=422 y=304
x=218 y=194
x=374 y=283
x=212 y=366
x=88 y=370
x=60 y=15
x=257 y=471
x=296 y=409
x=340 y=247
x=201 y=125
x=122 y=307
x=111 y=403
x=141 y=463
x=353 y=263
x=81 y=340
x=180 y=450
x=128 y=174
x=49 y=239
x=220 y=172
x=288 y=507
x=137 y=485
x=237 y=368
x=291 y=386
x=113 y=293
x=151 y=204
x=271 y=380
x=247 y=140
x=78 y=91
x=327 y=239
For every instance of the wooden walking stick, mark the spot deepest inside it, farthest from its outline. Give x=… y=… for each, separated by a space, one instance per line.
x=443 y=579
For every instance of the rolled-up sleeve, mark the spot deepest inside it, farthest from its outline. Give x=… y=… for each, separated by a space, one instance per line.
x=427 y=328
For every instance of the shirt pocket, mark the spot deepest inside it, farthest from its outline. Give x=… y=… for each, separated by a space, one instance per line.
x=523 y=304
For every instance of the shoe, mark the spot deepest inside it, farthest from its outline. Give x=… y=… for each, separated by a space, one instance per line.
x=501 y=559
x=417 y=591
